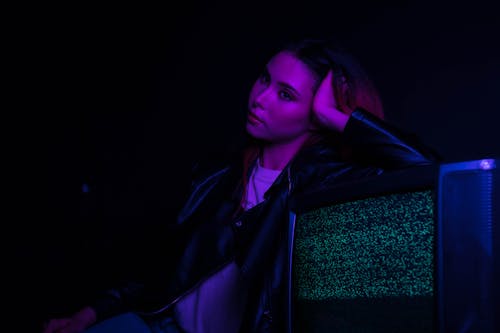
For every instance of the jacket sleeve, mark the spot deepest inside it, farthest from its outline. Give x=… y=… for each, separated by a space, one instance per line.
x=378 y=143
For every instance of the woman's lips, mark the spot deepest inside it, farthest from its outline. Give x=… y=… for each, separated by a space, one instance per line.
x=252 y=118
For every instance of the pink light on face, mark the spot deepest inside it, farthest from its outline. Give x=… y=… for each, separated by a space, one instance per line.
x=252 y=118
x=280 y=101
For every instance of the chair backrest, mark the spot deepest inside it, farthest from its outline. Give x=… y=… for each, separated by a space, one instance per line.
x=416 y=250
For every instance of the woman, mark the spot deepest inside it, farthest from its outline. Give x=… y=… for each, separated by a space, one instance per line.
x=313 y=116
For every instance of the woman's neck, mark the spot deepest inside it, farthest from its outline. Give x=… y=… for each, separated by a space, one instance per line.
x=277 y=155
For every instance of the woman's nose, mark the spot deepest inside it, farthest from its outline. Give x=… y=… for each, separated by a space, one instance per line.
x=262 y=97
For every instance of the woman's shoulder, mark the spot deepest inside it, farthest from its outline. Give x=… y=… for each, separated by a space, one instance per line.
x=315 y=154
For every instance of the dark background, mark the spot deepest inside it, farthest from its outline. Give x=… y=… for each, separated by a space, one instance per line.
x=112 y=105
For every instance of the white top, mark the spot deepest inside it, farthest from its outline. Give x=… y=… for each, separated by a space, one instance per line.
x=217 y=305
x=259 y=182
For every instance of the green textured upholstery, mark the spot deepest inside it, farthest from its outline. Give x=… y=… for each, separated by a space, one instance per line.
x=366 y=265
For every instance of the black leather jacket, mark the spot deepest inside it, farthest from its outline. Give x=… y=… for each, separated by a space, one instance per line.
x=257 y=238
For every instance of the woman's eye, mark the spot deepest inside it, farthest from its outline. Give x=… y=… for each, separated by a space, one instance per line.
x=286 y=95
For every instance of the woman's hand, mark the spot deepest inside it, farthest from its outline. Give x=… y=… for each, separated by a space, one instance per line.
x=75 y=324
x=325 y=106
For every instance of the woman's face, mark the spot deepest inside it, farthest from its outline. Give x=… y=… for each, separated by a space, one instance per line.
x=279 y=106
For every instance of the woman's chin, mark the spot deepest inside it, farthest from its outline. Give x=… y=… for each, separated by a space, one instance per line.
x=253 y=132
x=250 y=129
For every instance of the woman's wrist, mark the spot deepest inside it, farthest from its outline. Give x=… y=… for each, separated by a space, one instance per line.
x=333 y=119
